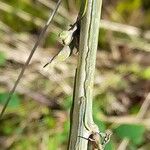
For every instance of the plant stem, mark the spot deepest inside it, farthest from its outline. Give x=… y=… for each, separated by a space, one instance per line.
x=82 y=124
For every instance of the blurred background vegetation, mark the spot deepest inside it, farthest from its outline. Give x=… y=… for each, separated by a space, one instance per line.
x=38 y=114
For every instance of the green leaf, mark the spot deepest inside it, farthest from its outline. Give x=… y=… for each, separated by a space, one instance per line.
x=50 y=40
x=14 y=102
x=96 y=112
x=127 y=6
x=110 y=146
x=67 y=103
x=145 y=74
x=132 y=132
x=49 y=121
x=64 y=134
x=2 y=58
x=54 y=141
x=134 y=109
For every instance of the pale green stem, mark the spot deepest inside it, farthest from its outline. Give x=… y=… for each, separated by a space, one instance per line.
x=82 y=119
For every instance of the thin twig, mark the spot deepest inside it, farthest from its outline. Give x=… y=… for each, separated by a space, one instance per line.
x=140 y=115
x=30 y=56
